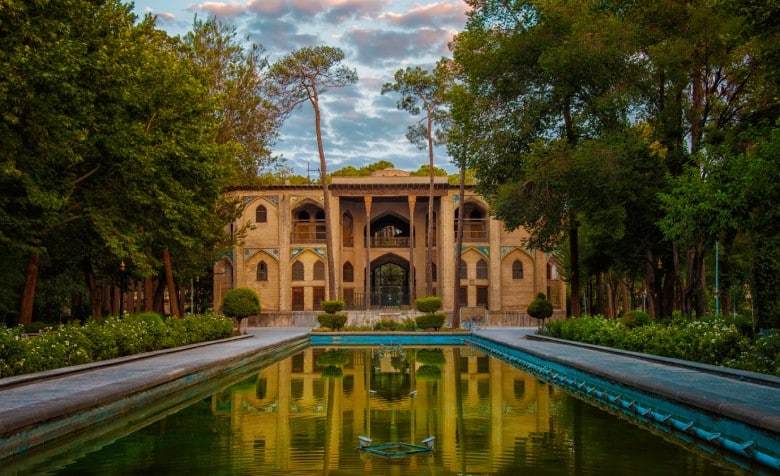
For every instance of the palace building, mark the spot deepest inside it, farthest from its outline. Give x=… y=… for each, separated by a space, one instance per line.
x=379 y=226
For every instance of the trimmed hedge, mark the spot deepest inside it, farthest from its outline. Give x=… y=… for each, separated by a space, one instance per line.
x=430 y=321
x=72 y=344
x=332 y=321
x=433 y=357
x=710 y=341
x=428 y=373
x=540 y=307
x=240 y=303
x=428 y=304
x=333 y=306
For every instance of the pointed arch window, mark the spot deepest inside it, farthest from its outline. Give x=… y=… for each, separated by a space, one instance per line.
x=552 y=271
x=346 y=229
x=463 y=270
x=261 y=214
x=517 y=269
x=347 y=273
x=297 y=271
x=482 y=269
x=319 y=271
x=262 y=271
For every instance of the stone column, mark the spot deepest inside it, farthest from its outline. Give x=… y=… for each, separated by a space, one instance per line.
x=285 y=221
x=446 y=250
x=494 y=268
x=412 y=291
x=335 y=222
x=367 y=287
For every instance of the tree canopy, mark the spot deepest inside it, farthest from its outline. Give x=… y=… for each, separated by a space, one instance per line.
x=120 y=142
x=630 y=124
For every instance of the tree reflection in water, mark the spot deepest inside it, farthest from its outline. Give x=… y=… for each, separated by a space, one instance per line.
x=304 y=415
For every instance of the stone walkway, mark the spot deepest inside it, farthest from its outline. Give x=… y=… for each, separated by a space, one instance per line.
x=743 y=396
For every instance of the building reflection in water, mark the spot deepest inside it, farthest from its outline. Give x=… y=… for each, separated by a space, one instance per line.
x=306 y=412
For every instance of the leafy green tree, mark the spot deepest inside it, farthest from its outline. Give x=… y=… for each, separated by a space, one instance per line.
x=236 y=75
x=586 y=115
x=540 y=308
x=300 y=77
x=543 y=76
x=129 y=169
x=425 y=171
x=58 y=67
x=423 y=91
x=366 y=170
x=240 y=303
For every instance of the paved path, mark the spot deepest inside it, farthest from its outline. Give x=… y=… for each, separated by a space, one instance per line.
x=29 y=402
x=744 y=396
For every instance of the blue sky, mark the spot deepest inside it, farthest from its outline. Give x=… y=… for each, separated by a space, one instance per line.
x=378 y=37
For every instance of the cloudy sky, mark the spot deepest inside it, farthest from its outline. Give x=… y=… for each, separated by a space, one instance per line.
x=378 y=37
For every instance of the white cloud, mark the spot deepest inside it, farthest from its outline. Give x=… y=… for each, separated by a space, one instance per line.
x=360 y=125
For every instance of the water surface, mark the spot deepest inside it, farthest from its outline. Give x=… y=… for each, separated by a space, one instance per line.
x=304 y=414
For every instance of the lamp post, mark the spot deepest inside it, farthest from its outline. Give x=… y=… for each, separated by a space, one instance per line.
x=122 y=286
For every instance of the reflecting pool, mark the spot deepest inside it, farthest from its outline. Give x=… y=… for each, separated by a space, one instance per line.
x=305 y=413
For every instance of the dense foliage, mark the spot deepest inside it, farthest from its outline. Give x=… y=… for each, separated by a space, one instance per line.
x=636 y=136
x=333 y=322
x=331 y=319
x=118 y=142
x=540 y=308
x=428 y=304
x=332 y=306
x=434 y=320
x=97 y=340
x=240 y=303
x=407 y=324
x=712 y=341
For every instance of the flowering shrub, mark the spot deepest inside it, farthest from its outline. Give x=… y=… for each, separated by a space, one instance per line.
x=709 y=341
x=72 y=344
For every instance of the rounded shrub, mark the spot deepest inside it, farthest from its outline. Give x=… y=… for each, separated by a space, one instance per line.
x=332 y=321
x=239 y=303
x=332 y=357
x=430 y=321
x=332 y=306
x=428 y=304
x=635 y=318
x=540 y=307
x=431 y=357
x=332 y=371
x=428 y=373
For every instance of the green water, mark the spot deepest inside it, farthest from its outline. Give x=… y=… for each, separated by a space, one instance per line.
x=303 y=415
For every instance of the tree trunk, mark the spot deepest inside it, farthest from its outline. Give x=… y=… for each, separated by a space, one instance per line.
x=679 y=286
x=574 y=254
x=94 y=296
x=158 y=299
x=331 y=292
x=654 y=296
x=172 y=298
x=459 y=249
x=105 y=298
x=412 y=201
x=148 y=294
x=28 y=295
x=429 y=233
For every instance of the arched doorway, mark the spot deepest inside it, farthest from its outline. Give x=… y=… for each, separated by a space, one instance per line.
x=389 y=281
